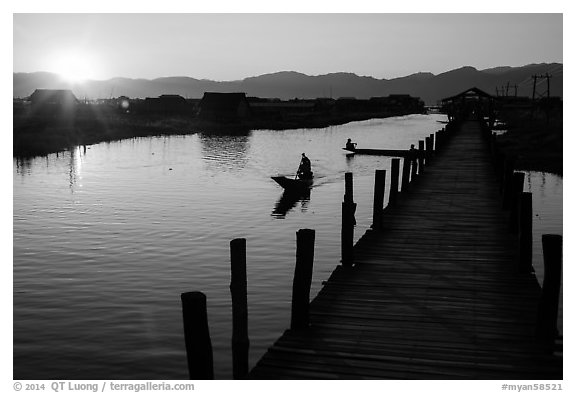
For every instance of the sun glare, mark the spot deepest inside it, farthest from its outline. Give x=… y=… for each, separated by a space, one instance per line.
x=75 y=67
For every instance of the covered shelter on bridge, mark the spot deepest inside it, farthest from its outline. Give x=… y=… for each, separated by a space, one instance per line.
x=473 y=102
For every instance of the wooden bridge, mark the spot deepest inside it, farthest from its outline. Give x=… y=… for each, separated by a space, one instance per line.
x=436 y=290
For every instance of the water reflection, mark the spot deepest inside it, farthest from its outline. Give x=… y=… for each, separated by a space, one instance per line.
x=72 y=165
x=24 y=164
x=75 y=167
x=289 y=200
x=224 y=153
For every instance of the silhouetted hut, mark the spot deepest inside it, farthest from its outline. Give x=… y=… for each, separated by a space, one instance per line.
x=167 y=104
x=224 y=106
x=53 y=102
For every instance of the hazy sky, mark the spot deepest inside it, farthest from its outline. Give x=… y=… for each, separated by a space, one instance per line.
x=235 y=46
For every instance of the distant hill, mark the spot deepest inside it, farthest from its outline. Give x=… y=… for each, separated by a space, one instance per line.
x=290 y=84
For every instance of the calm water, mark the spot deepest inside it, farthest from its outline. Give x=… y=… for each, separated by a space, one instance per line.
x=546 y=192
x=106 y=240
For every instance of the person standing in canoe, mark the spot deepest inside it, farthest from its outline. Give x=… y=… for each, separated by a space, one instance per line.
x=305 y=168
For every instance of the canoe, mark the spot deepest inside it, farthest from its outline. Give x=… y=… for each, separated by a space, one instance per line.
x=380 y=152
x=293 y=185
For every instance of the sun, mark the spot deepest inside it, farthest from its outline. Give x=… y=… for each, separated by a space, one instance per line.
x=74 y=66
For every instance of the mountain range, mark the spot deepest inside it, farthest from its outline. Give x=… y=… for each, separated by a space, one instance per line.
x=289 y=84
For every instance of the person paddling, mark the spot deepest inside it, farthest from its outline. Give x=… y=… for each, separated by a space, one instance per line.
x=305 y=168
x=350 y=145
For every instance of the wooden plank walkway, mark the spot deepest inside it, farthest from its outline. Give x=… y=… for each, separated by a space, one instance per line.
x=434 y=295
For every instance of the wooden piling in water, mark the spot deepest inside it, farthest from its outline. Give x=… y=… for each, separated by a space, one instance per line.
x=348 y=222
x=394 y=174
x=406 y=174
x=525 y=232
x=546 y=325
x=197 y=336
x=348 y=187
x=238 y=290
x=421 y=157
x=302 y=279
x=428 y=150
x=517 y=188
x=379 y=191
x=432 y=145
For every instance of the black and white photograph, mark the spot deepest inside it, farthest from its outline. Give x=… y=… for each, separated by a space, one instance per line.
x=286 y=196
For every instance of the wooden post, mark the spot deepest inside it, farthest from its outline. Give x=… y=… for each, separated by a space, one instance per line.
x=348 y=187
x=347 y=233
x=500 y=169
x=508 y=183
x=395 y=172
x=493 y=145
x=438 y=140
x=379 y=188
x=414 y=163
x=432 y=146
x=525 y=232
x=517 y=188
x=421 y=157
x=302 y=279
x=348 y=221
x=427 y=149
x=240 y=340
x=406 y=174
x=197 y=336
x=546 y=326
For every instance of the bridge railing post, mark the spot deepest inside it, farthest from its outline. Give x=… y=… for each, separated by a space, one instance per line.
x=394 y=174
x=379 y=191
x=421 y=155
x=547 y=323
x=348 y=187
x=525 y=232
x=238 y=290
x=414 y=159
x=348 y=222
x=406 y=174
x=517 y=188
x=300 y=318
x=197 y=336
x=508 y=183
x=438 y=140
x=493 y=144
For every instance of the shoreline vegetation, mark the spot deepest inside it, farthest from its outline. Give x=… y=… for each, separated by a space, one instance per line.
x=42 y=135
x=535 y=139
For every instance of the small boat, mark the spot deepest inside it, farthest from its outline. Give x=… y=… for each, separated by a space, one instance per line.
x=293 y=185
x=381 y=152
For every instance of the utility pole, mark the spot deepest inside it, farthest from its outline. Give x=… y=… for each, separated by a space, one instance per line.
x=535 y=94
